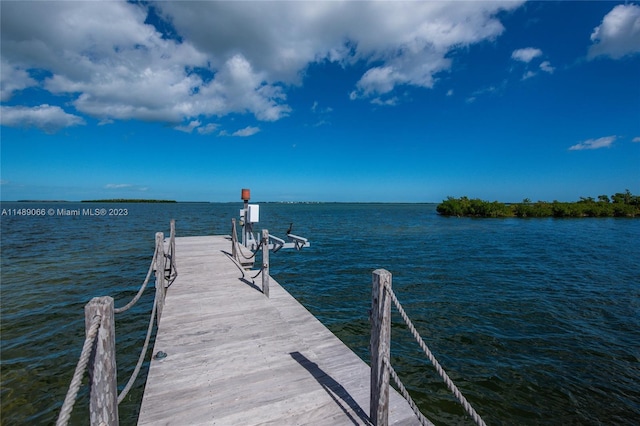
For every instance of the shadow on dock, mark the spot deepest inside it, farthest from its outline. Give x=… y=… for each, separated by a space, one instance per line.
x=335 y=390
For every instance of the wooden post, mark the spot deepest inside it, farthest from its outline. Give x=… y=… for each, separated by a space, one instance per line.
x=103 y=391
x=159 y=273
x=265 y=262
x=169 y=274
x=380 y=347
x=172 y=238
x=234 y=239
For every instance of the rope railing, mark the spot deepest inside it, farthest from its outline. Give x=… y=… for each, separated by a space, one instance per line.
x=76 y=381
x=264 y=245
x=98 y=352
x=171 y=271
x=142 y=287
x=235 y=245
x=382 y=295
x=143 y=354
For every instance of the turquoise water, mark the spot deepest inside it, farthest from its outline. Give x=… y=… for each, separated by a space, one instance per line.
x=536 y=320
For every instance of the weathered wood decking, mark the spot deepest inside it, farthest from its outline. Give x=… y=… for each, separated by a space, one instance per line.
x=235 y=357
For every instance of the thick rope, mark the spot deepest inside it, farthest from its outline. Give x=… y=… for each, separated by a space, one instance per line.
x=452 y=387
x=259 y=272
x=144 y=285
x=143 y=353
x=173 y=270
x=254 y=253
x=423 y=420
x=76 y=381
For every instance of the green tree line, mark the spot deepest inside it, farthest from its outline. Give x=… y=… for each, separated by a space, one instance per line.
x=621 y=204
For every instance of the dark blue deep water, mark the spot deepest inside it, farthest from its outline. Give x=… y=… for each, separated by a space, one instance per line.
x=536 y=320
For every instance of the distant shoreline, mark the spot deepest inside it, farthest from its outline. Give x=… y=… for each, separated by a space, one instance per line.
x=128 y=200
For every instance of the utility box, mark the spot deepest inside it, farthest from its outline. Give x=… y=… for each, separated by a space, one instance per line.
x=253 y=213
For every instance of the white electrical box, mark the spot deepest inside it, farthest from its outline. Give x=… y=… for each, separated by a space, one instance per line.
x=241 y=213
x=253 y=213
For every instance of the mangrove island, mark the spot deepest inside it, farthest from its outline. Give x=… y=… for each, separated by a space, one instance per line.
x=621 y=204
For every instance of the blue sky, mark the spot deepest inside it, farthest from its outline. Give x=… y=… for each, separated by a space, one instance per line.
x=319 y=101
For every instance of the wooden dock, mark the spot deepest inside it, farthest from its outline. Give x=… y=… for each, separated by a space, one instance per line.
x=236 y=357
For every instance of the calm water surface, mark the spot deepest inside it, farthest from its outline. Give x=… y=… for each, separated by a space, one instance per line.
x=537 y=321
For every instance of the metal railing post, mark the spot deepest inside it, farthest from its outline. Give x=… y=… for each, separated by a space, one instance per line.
x=103 y=392
x=380 y=347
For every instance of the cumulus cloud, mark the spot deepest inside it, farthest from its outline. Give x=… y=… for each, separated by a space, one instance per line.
x=604 y=142
x=619 y=33
x=117 y=60
x=636 y=139
x=48 y=118
x=526 y=55
x=13 y=79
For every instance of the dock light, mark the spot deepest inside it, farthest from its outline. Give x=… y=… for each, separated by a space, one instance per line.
x=246 y=194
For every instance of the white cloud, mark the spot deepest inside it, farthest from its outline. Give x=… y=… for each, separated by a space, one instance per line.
x=228 y=57
x=207 y=129
x=247 y=131
x=118 y=185
x=636 y=139
x=189 y=127
x=48 y=118
x=526 y=55
x=385 y=102
x=619 y=33
x=546 y=67
x=604 y=142
x=13 y=79
x=121 y=188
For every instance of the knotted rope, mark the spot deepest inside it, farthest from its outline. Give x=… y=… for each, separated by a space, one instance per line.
x=452 y=387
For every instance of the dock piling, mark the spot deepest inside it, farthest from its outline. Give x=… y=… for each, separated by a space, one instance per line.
x=380 y=347
x=103 y=405
x=160 y=287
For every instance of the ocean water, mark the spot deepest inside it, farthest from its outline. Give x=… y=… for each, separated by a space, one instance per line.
x=536 y=320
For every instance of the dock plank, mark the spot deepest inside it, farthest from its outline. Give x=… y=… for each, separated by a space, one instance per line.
x=235 y=357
